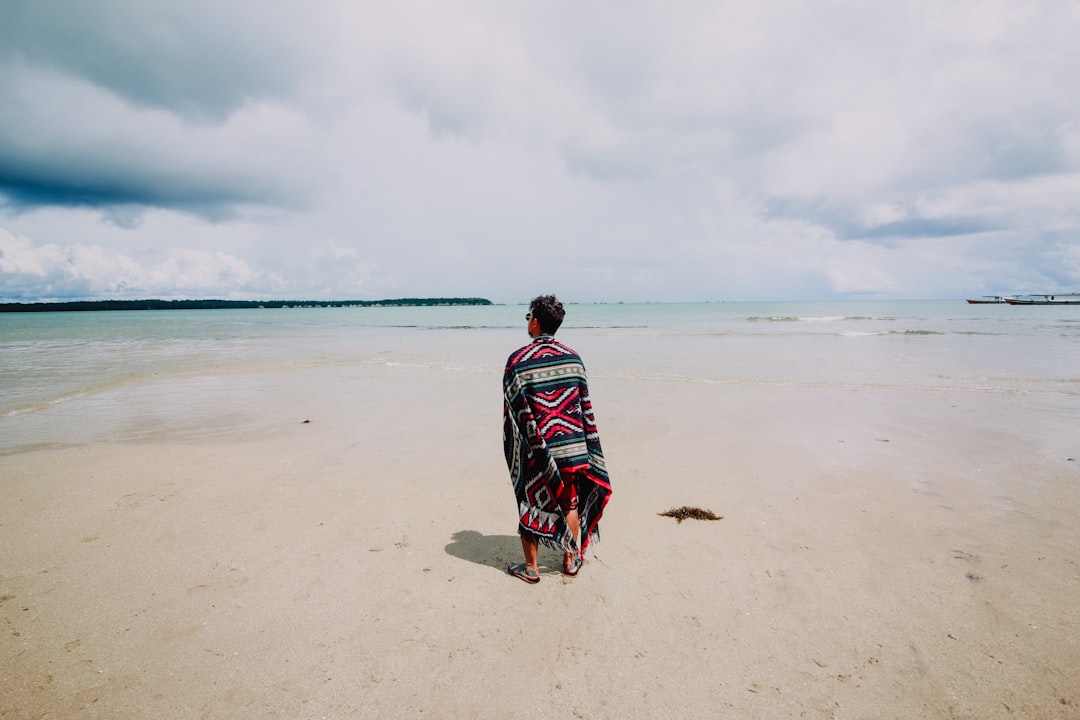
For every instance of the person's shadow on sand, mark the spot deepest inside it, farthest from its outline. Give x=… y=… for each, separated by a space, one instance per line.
x=492 y=550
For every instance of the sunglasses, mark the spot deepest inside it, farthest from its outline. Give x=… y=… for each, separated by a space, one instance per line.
x=528 y=316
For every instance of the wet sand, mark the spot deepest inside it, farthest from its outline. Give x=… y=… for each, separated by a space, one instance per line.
x=882 y=554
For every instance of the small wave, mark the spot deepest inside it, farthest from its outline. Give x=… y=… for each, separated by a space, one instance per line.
x=46 y=404
x=914 y=333
x=605 y=327
x=772 y=318
x=809 y=318
x=33 y=447
x=469 y=327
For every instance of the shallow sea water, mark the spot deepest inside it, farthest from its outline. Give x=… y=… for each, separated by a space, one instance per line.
x=68 y=376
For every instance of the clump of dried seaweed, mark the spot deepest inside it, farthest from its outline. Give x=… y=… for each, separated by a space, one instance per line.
x=684 y=512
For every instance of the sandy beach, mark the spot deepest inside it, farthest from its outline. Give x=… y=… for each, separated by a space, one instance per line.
x=883 y=554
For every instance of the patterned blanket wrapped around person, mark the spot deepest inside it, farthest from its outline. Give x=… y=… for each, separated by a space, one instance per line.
x=551 y=444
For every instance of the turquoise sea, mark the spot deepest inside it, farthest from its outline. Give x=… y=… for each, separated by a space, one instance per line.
x=53 y=365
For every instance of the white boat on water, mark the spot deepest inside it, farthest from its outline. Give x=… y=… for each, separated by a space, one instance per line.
x=1055 y=299
x=989 y=300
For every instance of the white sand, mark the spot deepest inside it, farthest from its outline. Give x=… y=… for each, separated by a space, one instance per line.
x=882 y=554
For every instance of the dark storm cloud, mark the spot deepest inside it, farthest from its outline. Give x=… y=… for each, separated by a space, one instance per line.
x=924 y=228
x=128 y=104
x=23 y=187
x=844 y=225
x=201 y=60
x=108 y=156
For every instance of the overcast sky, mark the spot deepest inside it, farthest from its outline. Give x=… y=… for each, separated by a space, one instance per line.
x=605 y=151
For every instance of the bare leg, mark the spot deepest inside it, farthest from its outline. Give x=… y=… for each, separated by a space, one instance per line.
x=574 y=526
x=530 y=546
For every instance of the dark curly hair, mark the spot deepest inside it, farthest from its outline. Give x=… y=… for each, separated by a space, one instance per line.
x=549 y=312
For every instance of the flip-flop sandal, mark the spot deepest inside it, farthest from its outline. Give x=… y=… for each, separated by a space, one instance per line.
x=571 y=569
x=520 y=570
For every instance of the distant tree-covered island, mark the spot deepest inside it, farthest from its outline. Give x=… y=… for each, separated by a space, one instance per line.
x=81 y=305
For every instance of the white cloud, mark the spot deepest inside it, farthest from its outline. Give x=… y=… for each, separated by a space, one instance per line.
x=1045 y=203
x=80 y=271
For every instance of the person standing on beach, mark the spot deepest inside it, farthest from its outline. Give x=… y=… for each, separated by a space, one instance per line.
x=551 y=445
